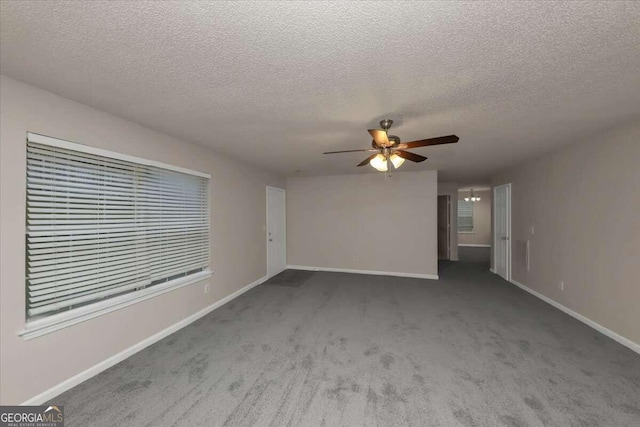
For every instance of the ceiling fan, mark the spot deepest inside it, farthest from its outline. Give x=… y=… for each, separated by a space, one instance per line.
x=388 y=150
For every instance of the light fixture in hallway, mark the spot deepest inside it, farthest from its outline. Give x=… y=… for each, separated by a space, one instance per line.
x=472 y=198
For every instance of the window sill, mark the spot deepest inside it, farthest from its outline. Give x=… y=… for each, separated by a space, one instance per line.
x=37 y=328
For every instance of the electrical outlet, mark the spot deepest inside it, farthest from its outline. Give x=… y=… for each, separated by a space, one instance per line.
x=561 y=285
x=206 y=288
x=532 y=230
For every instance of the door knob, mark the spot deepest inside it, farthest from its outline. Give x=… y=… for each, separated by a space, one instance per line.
x=271 y=240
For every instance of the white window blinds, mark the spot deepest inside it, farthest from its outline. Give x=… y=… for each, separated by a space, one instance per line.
x=100 y=226
x=465 y=216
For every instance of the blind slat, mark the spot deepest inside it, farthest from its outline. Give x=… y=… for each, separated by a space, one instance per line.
x=99 y=226
x=465 y=216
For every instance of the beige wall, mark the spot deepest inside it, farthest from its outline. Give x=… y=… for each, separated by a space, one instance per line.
x=481 y=234
x=238 y=252
x=451 y=189
x=583 y=202
x=364 y=222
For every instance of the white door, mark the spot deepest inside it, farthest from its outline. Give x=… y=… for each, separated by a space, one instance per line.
x=276 y=231
x=502 y=230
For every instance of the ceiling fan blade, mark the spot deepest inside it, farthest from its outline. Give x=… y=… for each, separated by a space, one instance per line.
x=380 y=137
x=367 y=160
x=410 y=156
x=349 y=151
x=449 y=139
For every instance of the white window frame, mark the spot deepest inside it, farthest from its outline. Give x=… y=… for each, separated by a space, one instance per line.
x=38 y=327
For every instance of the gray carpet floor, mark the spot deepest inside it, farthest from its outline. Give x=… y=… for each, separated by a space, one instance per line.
x=356 y=350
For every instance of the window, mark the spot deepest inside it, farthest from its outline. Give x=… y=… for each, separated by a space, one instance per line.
x=465 y=216
x=102 y=225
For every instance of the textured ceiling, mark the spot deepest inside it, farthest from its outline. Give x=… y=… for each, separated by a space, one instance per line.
x=277 y=84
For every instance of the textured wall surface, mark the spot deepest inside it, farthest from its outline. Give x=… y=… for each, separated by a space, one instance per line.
x=364 y=222
x=238 y=246
x=583 y=203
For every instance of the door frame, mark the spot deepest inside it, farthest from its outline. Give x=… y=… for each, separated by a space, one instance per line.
x=448 y=198
x=266 y=227
x=495 y=232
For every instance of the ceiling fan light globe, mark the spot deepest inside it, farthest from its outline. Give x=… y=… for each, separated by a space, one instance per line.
x=381 y=168
x=396 y=160
x=379 y=162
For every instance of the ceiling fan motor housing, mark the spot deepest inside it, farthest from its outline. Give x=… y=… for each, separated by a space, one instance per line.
x=393 y=142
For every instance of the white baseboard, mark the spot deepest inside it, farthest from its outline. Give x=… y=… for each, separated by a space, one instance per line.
x=598 y=327
x=119 y=357
x=373 y=272
x=473 y=245
x=492 y=270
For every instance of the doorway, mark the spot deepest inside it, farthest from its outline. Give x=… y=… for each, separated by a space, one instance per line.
x=444 y=227
x=276 y=231
x=502 y=230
